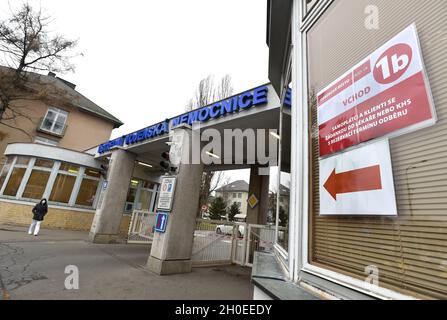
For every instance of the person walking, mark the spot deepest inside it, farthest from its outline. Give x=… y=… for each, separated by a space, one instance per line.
x=39 y=211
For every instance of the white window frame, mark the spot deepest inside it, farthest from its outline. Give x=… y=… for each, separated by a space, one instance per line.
x=8 y=175
x=139 y=188
x=58 y=112
x=54 y=171
x=299 y=220
x=29 y=170
x=74 y=190
x=281 y=252
x=45 y=141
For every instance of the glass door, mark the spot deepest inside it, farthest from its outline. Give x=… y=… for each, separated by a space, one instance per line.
x=146 y=196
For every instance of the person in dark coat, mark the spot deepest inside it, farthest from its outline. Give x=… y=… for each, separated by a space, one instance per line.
x=39 y=212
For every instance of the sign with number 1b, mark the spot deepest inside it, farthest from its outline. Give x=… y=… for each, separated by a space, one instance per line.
x=385 y=94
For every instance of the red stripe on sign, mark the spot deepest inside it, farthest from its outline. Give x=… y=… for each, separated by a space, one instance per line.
x=358 y=180
x=401 y=106
x=340 y=86
x=362 y=71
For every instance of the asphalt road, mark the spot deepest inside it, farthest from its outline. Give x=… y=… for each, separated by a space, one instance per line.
x=34 y=268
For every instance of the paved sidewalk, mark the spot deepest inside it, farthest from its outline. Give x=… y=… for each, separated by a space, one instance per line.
x=33 y=268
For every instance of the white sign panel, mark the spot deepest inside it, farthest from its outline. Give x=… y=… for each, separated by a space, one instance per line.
x=358 y=182
x=166 y=193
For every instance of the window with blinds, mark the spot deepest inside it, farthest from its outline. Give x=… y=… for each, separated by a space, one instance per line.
x=411 y=249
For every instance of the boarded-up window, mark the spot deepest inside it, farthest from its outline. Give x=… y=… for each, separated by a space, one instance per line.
x=411 y=249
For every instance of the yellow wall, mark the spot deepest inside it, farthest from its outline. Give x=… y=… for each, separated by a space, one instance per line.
x=57 y=218
x=84 y=130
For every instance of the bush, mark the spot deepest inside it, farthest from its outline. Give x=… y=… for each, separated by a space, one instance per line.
x=218 y=209
x=234 y=210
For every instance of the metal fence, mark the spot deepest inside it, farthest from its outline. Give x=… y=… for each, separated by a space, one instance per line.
x=260 y=238
x=214 y=242
x=141 y=227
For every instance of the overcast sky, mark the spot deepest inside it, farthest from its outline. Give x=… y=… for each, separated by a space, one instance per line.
x=143 y=59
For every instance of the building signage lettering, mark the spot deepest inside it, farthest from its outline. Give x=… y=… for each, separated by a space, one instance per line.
x=232 y=105
x=238 y=103
x=132 y=138
x=387 y=93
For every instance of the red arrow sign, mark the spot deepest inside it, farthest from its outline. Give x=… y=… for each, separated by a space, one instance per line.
x=365 y=179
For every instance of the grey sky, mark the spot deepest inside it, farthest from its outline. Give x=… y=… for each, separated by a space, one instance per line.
x=142 y=59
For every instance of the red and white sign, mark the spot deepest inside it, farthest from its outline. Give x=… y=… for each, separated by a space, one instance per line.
x=387 y=93
x=358 y=182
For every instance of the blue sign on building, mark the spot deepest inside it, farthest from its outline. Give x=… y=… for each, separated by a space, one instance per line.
x=232 y=105
x=241 y=102
x=161 y=222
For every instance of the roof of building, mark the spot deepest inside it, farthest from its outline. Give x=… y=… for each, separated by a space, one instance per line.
x=74 y=97
x=284 y=190
x=236 y=186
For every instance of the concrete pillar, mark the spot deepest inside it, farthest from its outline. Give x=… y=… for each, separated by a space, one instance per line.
x=259 y=186
x=171 y=251
x=108 y=215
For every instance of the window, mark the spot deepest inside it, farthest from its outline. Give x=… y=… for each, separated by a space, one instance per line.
x=141 y=195
x=234 y=195
x=5 y=170
x=87 y=192
x=409 y=249
x=38 y=179
x=45 y=141
x=131 y=195
x=239 y=195
x=16 y=176
x=62 y=188
x=36 y=185
x=65 y=180
x=54 y=121
x=14 y=182
x=66 y=184
x=69 y=168
x=89 y=186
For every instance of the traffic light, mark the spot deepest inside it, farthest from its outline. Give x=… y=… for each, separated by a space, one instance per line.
x=103 y=170
x=166 y=163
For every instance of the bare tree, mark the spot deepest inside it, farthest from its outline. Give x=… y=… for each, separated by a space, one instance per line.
x=27 y=46
x=208 y=92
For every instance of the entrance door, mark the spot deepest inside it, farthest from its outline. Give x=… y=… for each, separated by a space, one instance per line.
x=147 y=196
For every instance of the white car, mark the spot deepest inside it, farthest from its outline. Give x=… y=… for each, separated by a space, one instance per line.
x=228 y=230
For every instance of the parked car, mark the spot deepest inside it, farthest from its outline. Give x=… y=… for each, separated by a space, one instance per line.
x=228 y=230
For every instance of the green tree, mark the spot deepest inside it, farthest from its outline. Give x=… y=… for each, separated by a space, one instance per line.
x=218 y=209
x=283 y=217
x=233 y=211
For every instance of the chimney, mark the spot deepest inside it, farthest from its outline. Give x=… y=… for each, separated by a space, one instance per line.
x=53 y=75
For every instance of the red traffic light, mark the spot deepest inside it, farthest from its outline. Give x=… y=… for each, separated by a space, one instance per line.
x=165 y=155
